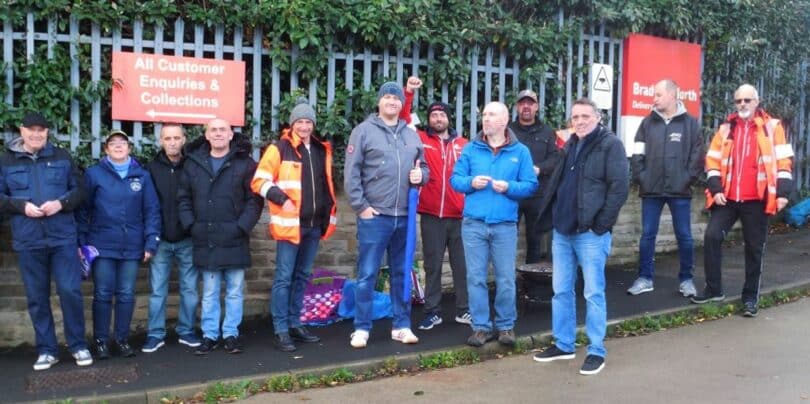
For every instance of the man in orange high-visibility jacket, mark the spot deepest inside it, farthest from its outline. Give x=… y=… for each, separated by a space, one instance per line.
x=748 y=169
x=295 y=176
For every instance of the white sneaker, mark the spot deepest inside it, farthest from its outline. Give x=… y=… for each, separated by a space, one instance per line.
x=83 y=357
x=45 y=361
x=404 y=335
x=359 y=339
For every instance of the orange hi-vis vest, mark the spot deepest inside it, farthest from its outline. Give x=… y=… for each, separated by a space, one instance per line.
x=774 y=160
x=281 y=167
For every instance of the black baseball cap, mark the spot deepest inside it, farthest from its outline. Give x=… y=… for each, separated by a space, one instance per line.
x=35 y=119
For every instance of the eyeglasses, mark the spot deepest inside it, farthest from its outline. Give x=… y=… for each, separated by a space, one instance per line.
x=740 y=101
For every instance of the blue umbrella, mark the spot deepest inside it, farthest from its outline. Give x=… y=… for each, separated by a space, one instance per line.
x=410 y=244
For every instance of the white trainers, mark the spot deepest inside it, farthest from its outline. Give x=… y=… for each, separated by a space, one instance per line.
x=83 y=357
x=359 y=339
x=404 y=335
x=45 y=361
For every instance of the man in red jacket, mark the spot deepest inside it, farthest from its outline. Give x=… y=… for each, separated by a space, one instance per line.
x=440 y=208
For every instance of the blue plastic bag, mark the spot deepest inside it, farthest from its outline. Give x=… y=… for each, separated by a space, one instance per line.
x=797 y=215
x=381 y=303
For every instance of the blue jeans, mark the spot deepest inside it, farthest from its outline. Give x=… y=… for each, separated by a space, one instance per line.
x=375 y=236
x=113 y=277
x=590 y=251
x=496 y=243
x=167 y=253
x=293 y=267
x=681 y=211
x=37 y=267
x=234 y=286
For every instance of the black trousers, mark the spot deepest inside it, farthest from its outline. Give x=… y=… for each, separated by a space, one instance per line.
x=755 y=233
x=438 y=235
x=538 y=243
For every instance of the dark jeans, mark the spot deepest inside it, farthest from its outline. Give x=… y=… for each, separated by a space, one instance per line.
x=755 y=232
x=37 y=268
x=680 y=209
x=113 y=277
x=293 y=267
x=538 y=243
x=438 y=235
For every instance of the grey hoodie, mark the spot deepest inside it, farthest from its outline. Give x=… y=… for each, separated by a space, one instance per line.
x=378 y=160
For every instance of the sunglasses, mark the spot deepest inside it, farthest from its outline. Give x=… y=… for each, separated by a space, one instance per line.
x=743 y=101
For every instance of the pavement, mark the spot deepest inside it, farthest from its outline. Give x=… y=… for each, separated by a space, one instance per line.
x=175 y=371
x=733 y=360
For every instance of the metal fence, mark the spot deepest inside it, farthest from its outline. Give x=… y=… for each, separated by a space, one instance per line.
x=493 y=75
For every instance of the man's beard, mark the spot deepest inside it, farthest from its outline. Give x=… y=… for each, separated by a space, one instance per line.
x=744 y=114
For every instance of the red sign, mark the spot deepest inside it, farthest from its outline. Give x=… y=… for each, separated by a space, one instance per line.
x=160 y=88
x=648 y=60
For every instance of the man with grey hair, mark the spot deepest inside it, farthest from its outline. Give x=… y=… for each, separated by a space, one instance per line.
x=667 y=160
x=585 y=194
x=495 y=171
x=749 y=175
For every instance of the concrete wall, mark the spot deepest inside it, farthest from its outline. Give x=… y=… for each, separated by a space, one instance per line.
x=338 y=254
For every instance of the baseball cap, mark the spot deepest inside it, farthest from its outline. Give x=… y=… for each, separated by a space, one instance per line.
x=116 y=132
x=527 y=94
x=35 y=119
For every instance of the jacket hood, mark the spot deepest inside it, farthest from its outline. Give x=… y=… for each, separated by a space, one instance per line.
x=680 y=109
x=479 y=138
x=240 y=146
x=16 y=146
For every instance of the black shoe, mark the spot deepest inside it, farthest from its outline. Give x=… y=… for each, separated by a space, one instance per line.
x=750 y=309
x=553 y=354
x=232 y=345
x=102 y=352
x=206 y=347
x=480 y=337
x=124 y=349
x=301 y=334
x=284 y=343
x=707 y=297
x=506 y=337
x=593 y=364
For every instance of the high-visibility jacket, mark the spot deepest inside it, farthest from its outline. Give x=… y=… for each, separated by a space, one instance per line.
x=774 y=161
x=279 y=177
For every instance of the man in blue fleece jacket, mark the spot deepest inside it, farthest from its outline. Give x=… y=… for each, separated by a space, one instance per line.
x=494 y=171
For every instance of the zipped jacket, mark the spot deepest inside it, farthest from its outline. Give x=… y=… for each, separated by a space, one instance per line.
x=512 y=163
x=46 y=176
x=378 y=160
x=288 y=171
x=775 y=160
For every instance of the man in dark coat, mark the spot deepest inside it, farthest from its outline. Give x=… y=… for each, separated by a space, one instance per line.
x=219 y=209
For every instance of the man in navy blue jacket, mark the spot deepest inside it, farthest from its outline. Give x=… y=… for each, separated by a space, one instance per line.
x=39 y=189
x=494 y=171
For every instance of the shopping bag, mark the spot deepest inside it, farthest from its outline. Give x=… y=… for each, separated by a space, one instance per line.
x=322 y=295
x=380 y=307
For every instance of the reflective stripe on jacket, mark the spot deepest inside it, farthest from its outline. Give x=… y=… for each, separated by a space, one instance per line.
x=279 y=177
x=774 y=168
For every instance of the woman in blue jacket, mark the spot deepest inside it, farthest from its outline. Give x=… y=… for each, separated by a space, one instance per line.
x=121 y=219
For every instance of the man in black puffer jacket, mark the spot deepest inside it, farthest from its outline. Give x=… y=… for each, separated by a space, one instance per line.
x=667 y=160
x=219 y=209
x=585 y=193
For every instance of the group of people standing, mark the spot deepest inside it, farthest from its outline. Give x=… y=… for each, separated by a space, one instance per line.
x=194 y=206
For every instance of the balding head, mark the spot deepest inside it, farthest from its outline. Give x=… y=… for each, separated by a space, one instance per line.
x=494 y=118
x=665 y=99
x=746 y=100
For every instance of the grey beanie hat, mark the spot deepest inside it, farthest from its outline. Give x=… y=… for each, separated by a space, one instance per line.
x=302 y=110
x=391 y=87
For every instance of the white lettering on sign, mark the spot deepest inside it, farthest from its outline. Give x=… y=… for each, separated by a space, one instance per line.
x=641 y=105
x=649 y=91
x=166 y=65
x=148 y=98
x=177 y=83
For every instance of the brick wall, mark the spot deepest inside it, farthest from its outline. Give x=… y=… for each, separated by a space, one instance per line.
x=338 y=254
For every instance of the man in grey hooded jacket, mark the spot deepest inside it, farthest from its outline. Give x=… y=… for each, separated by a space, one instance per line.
x=384 y=158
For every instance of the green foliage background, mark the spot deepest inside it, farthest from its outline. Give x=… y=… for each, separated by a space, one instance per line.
x=744 y=40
